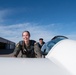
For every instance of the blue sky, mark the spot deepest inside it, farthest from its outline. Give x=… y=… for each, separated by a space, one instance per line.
x=43 y=18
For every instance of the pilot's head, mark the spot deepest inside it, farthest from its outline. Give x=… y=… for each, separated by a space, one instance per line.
x=41 y=40
x=26 y=35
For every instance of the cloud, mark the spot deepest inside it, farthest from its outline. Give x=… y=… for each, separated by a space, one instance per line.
x=14 y=32
x=3 y=14
x=47 y=32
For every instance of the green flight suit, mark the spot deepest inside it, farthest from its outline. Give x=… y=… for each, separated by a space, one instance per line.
x=30 y=51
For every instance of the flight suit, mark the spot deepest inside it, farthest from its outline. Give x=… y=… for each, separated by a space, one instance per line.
x=40 y=46
x=30 y=51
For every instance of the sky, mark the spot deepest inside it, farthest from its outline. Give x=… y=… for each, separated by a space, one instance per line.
x=43 y=18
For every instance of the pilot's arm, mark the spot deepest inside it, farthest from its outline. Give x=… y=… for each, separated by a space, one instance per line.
x=37 y=51
x=17 y=50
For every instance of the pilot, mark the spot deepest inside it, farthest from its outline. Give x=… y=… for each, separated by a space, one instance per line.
x=41 y=42
x=28 y=48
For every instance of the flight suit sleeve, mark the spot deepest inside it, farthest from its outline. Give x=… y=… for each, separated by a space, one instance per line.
x=37 y=51
x=17 y=50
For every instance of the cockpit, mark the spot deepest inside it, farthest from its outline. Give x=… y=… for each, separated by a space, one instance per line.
x=48 y=45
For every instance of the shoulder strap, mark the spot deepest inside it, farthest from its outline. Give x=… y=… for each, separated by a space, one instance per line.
x=21 y=42
x=32 y=42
